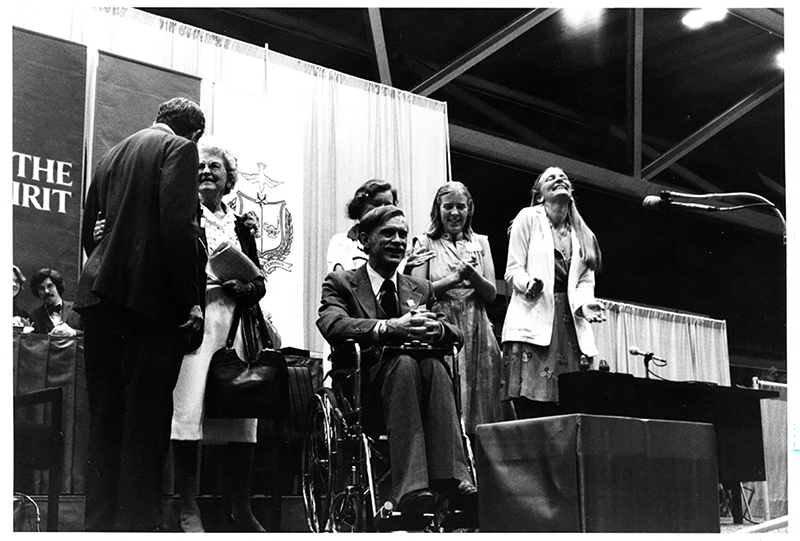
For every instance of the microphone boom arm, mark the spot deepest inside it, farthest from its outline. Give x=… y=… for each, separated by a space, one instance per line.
x=760 y=199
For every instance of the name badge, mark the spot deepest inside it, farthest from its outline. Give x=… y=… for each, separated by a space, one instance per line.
x=473 y=247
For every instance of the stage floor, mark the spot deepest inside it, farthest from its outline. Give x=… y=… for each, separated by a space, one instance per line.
x=292 y=515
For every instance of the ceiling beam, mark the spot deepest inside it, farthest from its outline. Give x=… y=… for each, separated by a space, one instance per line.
x=495 y=115
x=467 y=97
x=772 y=185
x=770 y=20
x=510 y=153
x=689 y=176
x=505 y=93
x=356 y=45
x=381 y=57
x=501 y=92
x=635 y=28
x=484 y=49
x=303 y=28
x=712 y=128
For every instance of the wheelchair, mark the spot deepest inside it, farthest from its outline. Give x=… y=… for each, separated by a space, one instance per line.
x=345 y=464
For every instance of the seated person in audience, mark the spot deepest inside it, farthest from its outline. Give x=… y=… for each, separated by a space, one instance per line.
x=54 y=317
x=20 y=317
x=375 y=305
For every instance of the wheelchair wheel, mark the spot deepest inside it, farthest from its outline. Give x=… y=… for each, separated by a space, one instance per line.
x=319 y=461
x=468 y=453
x=347 y=512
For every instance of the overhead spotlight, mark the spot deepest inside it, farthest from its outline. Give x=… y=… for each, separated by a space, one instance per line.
x=780 y=59
x=698 y=18
x=576 y=16
x=693 y=19
x=715 y=15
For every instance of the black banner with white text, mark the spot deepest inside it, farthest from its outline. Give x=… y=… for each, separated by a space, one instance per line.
x=49 y=87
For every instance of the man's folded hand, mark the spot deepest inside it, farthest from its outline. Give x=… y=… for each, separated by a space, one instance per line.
x=421 y=325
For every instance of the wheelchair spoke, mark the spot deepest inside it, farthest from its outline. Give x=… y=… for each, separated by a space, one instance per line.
x=317 y=463
x=346 y=468
x=347 y=512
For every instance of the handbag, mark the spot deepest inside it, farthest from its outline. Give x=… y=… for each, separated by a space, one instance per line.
x=255 y=387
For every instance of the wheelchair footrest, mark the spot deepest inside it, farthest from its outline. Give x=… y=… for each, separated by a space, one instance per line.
x=394 y=521
x=459 y=520
x=442 y=520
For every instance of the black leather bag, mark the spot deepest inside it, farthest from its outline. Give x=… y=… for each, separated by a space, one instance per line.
x=257 y=387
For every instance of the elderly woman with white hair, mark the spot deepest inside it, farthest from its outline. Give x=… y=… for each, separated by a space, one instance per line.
x=219 y=225
x=216 y=178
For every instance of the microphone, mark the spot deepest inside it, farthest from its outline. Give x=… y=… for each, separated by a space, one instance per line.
x=635 y=351
x=655 y=201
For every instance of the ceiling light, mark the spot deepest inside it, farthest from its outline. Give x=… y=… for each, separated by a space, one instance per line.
x=698 y=18
x=577 y=16
x=780 y=59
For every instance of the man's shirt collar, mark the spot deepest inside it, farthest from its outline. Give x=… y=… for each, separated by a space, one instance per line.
x=164 y=126
x=376 y=280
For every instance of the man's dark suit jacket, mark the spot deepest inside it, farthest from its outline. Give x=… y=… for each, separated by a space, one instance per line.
x=42 y=323
x=148 y=258
x=349 y=310
x=419 y=457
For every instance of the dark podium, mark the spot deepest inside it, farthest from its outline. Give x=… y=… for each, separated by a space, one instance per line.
x=735 y=413
x=597 y=474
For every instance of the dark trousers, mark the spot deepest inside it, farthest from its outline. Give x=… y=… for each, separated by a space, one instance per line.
x=132 y=365
x=421 y=421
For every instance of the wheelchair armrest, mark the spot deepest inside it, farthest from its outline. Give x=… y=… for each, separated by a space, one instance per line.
x=346 y=354
x=50 y=395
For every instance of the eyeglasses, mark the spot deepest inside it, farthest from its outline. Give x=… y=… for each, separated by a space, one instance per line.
x=214 y=167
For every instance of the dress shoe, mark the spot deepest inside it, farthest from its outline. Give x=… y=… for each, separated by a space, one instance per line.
x=460 y=494
x=190 y=522
x=246 y=524
x=417 y=502
x=467 y=494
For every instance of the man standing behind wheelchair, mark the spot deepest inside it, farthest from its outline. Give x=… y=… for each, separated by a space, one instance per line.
x=376 y=306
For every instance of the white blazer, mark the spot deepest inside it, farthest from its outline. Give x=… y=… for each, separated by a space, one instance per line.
x=530 y=255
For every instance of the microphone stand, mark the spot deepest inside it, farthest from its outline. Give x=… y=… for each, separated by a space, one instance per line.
x=762 y=201
x=647 y=358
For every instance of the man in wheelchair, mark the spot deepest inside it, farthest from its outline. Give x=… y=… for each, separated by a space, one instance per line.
x=379 y=307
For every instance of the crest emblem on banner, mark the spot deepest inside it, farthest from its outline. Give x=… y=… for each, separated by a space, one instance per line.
x=275 y=230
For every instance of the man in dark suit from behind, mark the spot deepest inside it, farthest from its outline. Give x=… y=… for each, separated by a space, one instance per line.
x=55 y=316
x=140 y=298
x=377 y=306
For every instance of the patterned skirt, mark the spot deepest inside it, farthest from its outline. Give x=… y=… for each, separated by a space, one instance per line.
x=479 y=362
x=531 y=371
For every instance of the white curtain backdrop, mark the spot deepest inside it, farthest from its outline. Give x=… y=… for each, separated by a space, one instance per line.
x=771 y=497
x=315 y=133
x=361 y=130
x=695 y=347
